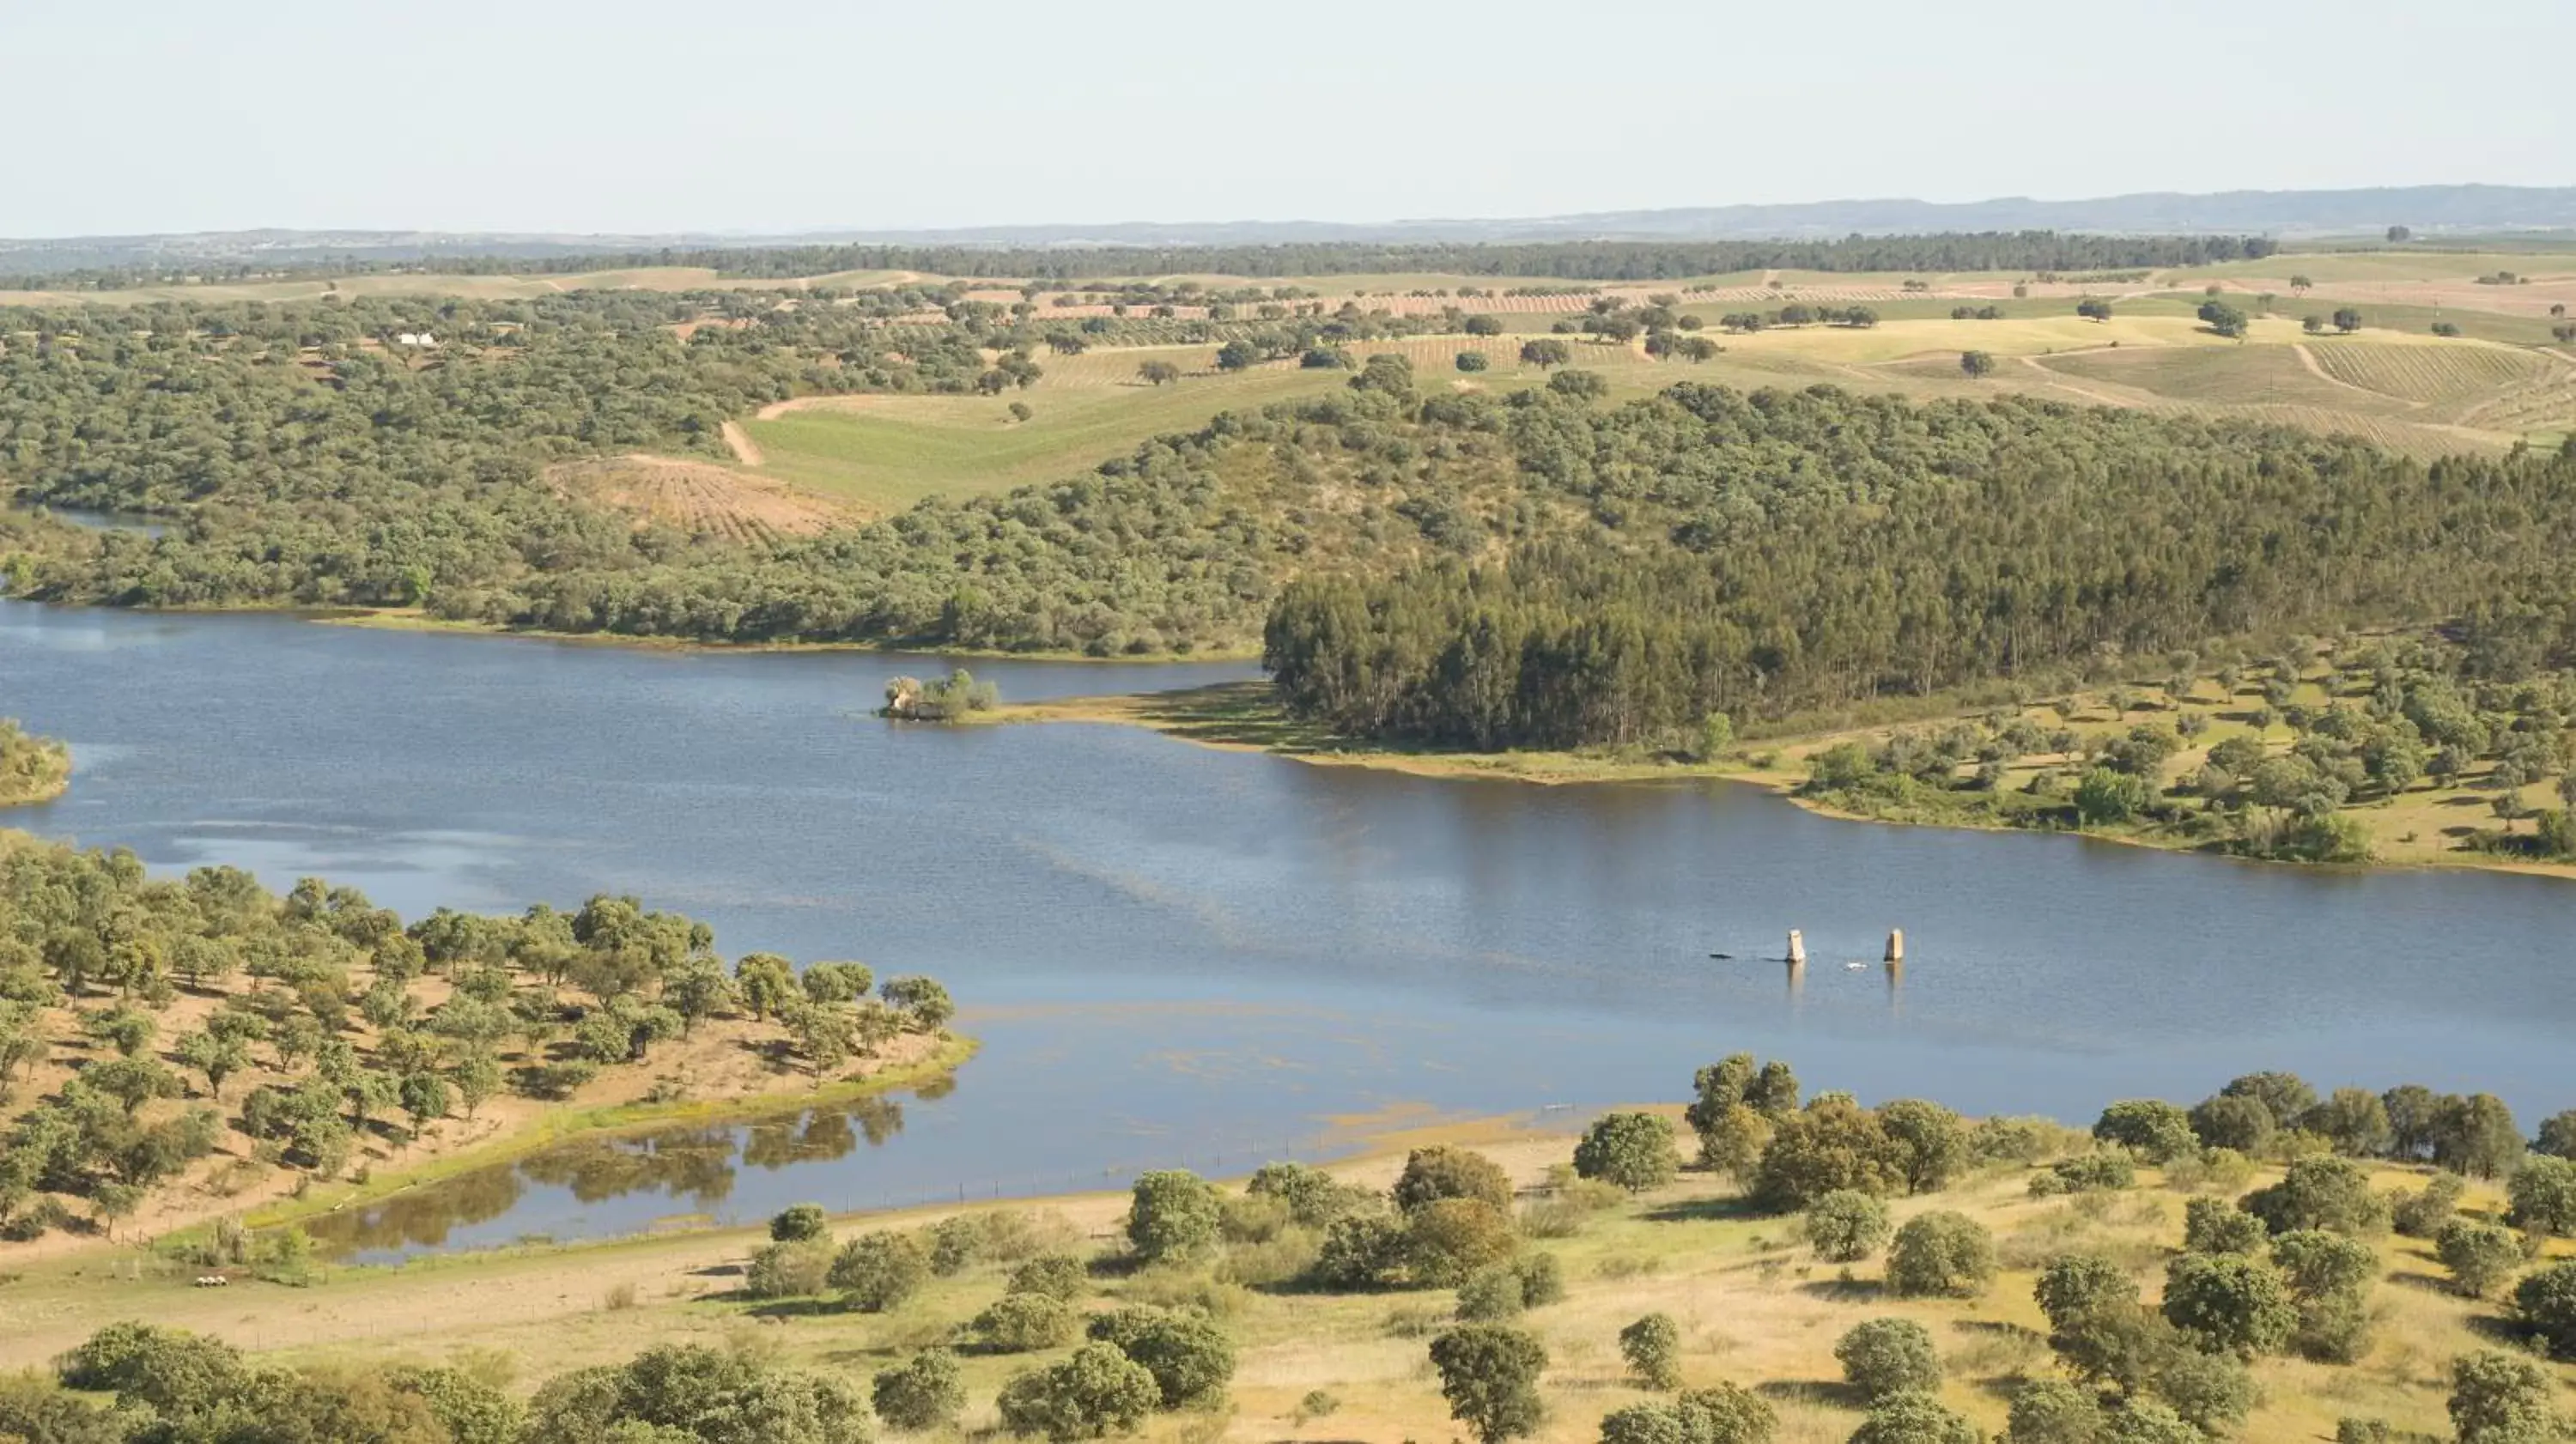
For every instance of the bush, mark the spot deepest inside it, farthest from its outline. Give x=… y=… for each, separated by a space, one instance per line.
x=1093 y=1394
x=1026 y=1323
x=2480 y=1256
x=1490 y=1295
x=1364 y=1251
x=1252 y=1219
x=1644 y=1424
x=1057 y=1275
x=1172 y=1214
x=1930 y=1143
x=2234 y=1121
x=1846 y=1226
x=2151 y=1421
x=2222 y=1169
x=1941 y=1253
x=2153 y=1129
x=1450 y=1239
x=1489 y=1374
x=2542 y=1196
x=793 y=1269
x=1832 y=1143
x=879 y=1271
x=2228 y=1304
x=2025 y=1141
x=799 y=1222
x=1633 y=1150
x=1653 y=1348
x=2321 y=1192
x=2052 y=1411
x=1190 y=1358
x=1726 y=1414
x=1432 y=1174
x=2422 y=1214
x=2212 y=1225
x=1916 y=1418
x=1314 y=1198
x=669 y=1392
x=1542 y=1279
x=2101 y=1170
x=922 y=1395
x=1889 y=1356
x=2212 y=1392
x=2545 y=1302
x=2499 y=1399
x=2330 y=1278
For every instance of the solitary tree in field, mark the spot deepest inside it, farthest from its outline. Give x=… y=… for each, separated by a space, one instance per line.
x=2093 y=309
x=2300 y=283
x=2347 y=320
x=2313 y=325
x=2399 y=235
x=1976 y=363
x=1489 y=1374
x=1158 y=373
x=1545 y=351
x=1237 y=356
x=2226 y=320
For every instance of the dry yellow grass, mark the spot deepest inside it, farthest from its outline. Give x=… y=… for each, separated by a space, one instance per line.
x=1755 y=1308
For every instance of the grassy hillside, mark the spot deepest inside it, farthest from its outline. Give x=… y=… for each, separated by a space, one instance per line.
x=1754 y=1304
x=2414 y=393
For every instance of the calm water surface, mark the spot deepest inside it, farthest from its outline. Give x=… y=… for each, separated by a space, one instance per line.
x=1176 y=955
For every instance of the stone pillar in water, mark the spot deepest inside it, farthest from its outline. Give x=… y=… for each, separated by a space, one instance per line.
x=1797 y=948
x=1896 y=947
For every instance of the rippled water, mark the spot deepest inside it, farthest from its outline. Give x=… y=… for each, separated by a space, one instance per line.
x=1174 y=954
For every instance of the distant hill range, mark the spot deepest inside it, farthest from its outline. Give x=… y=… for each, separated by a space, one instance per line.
x=2430 y=211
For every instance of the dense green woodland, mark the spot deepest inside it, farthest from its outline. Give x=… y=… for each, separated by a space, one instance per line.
x=1572 y=260
x=1527 y=570
x=1758 y=554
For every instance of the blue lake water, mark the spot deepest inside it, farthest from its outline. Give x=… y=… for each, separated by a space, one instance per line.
x=1179 y=955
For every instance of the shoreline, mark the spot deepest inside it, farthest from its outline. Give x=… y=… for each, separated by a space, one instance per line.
x=41 y=794
x=412 y=619
x=605 y=1120
x=1237 y=717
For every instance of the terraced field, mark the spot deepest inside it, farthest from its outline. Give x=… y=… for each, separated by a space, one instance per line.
x=2431 y=375
x=704 y=499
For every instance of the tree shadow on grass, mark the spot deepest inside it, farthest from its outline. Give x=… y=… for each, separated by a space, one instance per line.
x=1704 y=1210
x=1815 y=1392
x=783 y=1309
x=2498 y=1330
x=1844 y=1290
x=2418 y=1279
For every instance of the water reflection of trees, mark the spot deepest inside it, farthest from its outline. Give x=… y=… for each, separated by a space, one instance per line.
x=696 y=1164
x=423 y=1217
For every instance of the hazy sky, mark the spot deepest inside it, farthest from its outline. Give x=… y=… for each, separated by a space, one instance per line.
x=655 y=115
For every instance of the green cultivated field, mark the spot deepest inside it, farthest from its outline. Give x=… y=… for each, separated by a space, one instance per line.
x=2410 y=391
